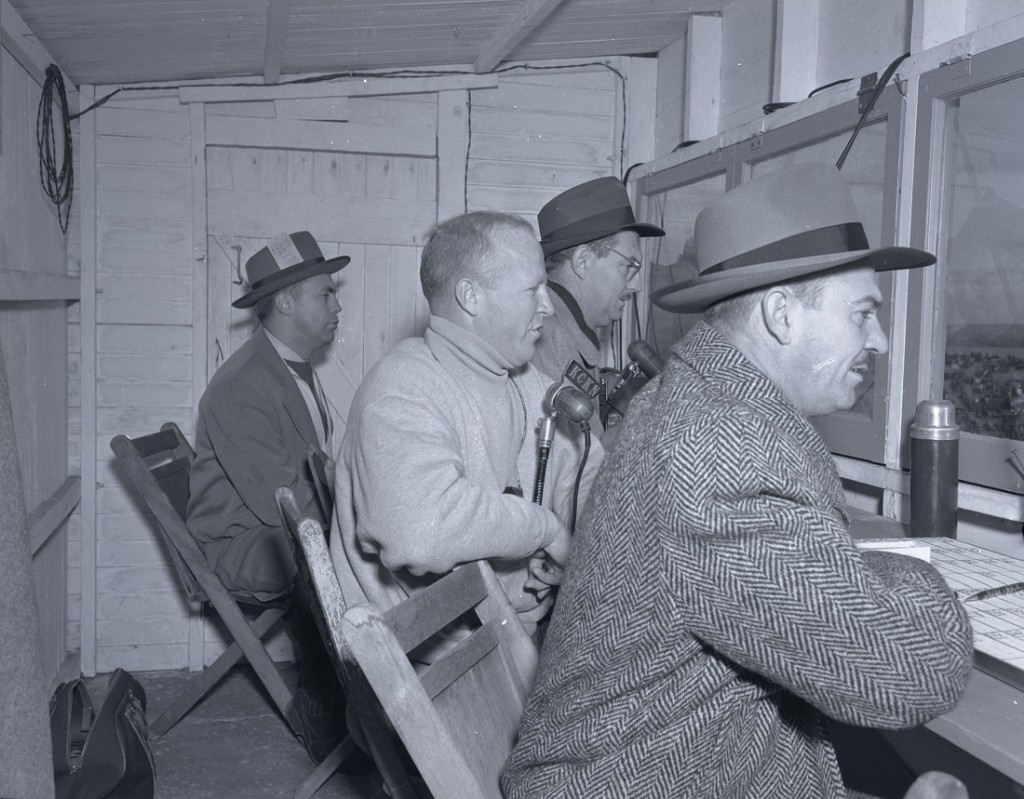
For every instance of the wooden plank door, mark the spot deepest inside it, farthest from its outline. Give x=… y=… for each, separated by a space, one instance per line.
x=374 y=207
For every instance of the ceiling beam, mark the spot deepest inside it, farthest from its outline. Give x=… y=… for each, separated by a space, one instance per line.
x=277 y=28
x=363 y=87
x=526 y=19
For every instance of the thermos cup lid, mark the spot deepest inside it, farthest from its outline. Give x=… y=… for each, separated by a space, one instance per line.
x=935 y=421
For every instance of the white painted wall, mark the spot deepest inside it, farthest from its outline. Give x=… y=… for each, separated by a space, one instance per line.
x=858 y=37
x=668 y=113
x=982 y=13
x=747 y=60
x=34 y=340
x=534 y=135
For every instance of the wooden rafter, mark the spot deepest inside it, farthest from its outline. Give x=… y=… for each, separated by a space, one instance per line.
x=529 y=17
x=363 y=87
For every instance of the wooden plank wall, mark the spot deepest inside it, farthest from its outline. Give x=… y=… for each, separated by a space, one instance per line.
x=143 y=368
x=34 y=339
x=747 y=56
x=538 y=134
x=542 y=131
x=362 y=201
x=531 y=137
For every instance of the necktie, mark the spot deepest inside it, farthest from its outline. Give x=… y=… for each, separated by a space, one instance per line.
x=305 y=370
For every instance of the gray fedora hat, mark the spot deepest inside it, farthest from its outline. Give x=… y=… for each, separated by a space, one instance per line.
x=287 y=259
x=588 y=212
x=792 y=222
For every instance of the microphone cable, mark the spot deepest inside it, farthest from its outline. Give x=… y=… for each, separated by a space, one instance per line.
x=879 y=87
x=58 y=185
x=585 y=427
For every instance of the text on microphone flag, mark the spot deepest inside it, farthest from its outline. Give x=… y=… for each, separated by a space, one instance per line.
x=576 y=375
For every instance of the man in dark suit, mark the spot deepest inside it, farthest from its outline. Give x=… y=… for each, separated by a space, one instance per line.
x=260 y=414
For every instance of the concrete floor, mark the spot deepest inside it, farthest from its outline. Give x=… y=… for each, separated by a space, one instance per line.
x=232 y=744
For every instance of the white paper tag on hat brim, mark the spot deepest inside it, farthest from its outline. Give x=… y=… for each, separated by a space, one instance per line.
x=284 y=251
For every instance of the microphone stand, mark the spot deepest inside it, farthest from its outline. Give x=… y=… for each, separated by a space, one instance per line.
x=577 y=407
x=547 y=435
x=631 y=371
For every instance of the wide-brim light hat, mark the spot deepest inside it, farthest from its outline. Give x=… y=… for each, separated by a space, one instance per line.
x=588 y=212
x=285 y=260
x=789 y=223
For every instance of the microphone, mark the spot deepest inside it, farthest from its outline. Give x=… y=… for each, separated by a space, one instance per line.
x=645 y=357
x=569 y=401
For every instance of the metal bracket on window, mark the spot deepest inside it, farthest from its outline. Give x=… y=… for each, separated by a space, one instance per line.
x=867 y=88
x=959 y=62
x=960 y=68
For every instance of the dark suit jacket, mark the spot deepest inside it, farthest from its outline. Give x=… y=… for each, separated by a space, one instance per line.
x=252 y=437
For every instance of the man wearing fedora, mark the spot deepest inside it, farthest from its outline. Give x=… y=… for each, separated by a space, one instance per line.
x=258 y=417
x=714 y=613
x=591 y=244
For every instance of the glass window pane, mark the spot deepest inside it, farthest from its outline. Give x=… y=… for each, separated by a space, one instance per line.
x=863 y=170
x=980 y=254
x=672 y=258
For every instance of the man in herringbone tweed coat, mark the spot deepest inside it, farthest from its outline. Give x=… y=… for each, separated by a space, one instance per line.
x=714 y=611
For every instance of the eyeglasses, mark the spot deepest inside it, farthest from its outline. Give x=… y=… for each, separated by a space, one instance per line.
x=633 y=265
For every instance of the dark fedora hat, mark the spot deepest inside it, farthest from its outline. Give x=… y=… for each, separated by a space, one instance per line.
x=792 y=222
x=285 y=260
x=587 y=212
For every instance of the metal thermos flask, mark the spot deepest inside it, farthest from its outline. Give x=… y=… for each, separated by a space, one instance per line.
x=934 y=469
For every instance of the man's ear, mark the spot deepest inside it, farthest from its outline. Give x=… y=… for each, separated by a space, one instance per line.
x=284 y=302
x=580 y=260
x=777 y=307
x=467 y=296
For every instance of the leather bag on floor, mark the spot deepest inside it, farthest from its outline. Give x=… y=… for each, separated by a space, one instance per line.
x=106 y=755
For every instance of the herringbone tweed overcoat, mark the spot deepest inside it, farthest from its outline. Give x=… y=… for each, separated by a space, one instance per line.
x=715 y=611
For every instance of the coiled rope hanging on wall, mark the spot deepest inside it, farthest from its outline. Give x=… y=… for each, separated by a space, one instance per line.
x=58 y=185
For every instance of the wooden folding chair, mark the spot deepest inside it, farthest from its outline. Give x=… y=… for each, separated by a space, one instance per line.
x=158 y=465
x=459 y=716
x=313 y=560
x=316 y=462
